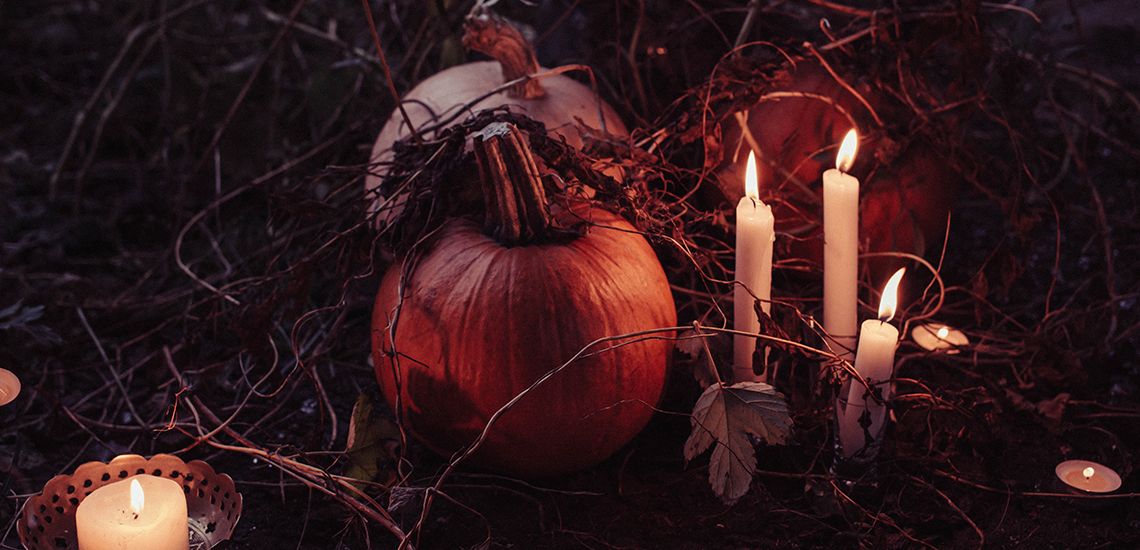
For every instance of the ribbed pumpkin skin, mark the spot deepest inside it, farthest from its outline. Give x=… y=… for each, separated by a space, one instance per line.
x=565 y=104
x=480 y=322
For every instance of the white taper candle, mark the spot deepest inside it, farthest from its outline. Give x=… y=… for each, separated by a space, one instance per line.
x=841 y=249
x=755 y=234
x=862 y=418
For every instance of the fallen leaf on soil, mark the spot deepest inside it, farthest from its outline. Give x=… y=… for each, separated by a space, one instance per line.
x=373 y=443
x=726 y=415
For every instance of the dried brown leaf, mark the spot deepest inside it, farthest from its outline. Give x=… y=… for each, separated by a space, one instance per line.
x=726 y=416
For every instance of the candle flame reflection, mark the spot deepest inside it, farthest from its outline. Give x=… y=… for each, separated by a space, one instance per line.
x=943 y=333
x=889 y=302
x=1088 y=473
x=846 y=156
x=138 y=499
x=751 y=180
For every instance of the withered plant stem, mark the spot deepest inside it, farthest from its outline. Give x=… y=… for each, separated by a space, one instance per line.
x=513 y=196
x=494 y=36
x=388 y=71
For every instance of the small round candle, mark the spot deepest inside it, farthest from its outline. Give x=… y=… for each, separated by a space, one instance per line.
x=9 y=387
x=939 y=337
x=1088 y=476
x=143 y=511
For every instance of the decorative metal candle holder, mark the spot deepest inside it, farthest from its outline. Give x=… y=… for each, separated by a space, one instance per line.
x=47 y=521
x=858 y=462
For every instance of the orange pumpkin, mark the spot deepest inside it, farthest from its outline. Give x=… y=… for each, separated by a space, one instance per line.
x=559 y=102
x=483 y=316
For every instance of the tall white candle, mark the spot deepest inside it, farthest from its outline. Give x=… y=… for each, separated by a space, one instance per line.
x=841 y=249
x=139 y=512
x=864 y=416
x=755 y=233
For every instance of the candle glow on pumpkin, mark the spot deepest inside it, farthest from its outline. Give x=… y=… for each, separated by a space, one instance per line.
x=1088 y=472
x=943 y=333
x=846 y=156
x=889 y=302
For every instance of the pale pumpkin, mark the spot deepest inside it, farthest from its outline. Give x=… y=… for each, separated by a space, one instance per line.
x=489 y=309
x=559 y=102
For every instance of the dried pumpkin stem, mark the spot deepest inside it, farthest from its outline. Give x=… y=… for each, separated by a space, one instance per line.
x=496 y=37
x=512 y=189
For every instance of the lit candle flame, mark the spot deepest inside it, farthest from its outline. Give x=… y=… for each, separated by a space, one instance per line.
x=138 y=499
x=751 y=183
x=889 y=302
x=1088 y=473
x=943 y=333
x=846 y=156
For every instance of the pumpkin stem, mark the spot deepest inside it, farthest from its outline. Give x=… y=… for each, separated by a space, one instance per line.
x=512 y=190
x=496 y=37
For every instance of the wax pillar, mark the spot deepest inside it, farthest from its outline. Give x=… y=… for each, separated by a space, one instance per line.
x=841 y=250
x=874 y=361
x=140 y=512
x=755 y=233
x=862 y=414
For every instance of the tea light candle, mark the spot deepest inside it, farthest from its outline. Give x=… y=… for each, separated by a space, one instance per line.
x=755 y=233
x=841 y=249
x=875 y=362
x=1087 y=476
x=939 y=337
x=9 y=387
x=143 y=511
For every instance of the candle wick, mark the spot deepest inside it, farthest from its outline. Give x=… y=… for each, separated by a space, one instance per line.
x=753 y=199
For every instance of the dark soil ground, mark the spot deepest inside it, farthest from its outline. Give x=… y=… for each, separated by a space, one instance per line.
x=181 y=215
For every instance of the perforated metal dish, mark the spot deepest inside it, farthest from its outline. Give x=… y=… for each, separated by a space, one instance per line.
x=47 y=521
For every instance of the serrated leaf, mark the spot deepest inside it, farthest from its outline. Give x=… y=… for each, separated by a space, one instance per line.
x=726 y=416
x=21 y=318
x=695 y=346
x=691 y=344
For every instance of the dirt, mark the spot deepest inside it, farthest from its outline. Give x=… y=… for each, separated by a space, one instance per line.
x=181 y=223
